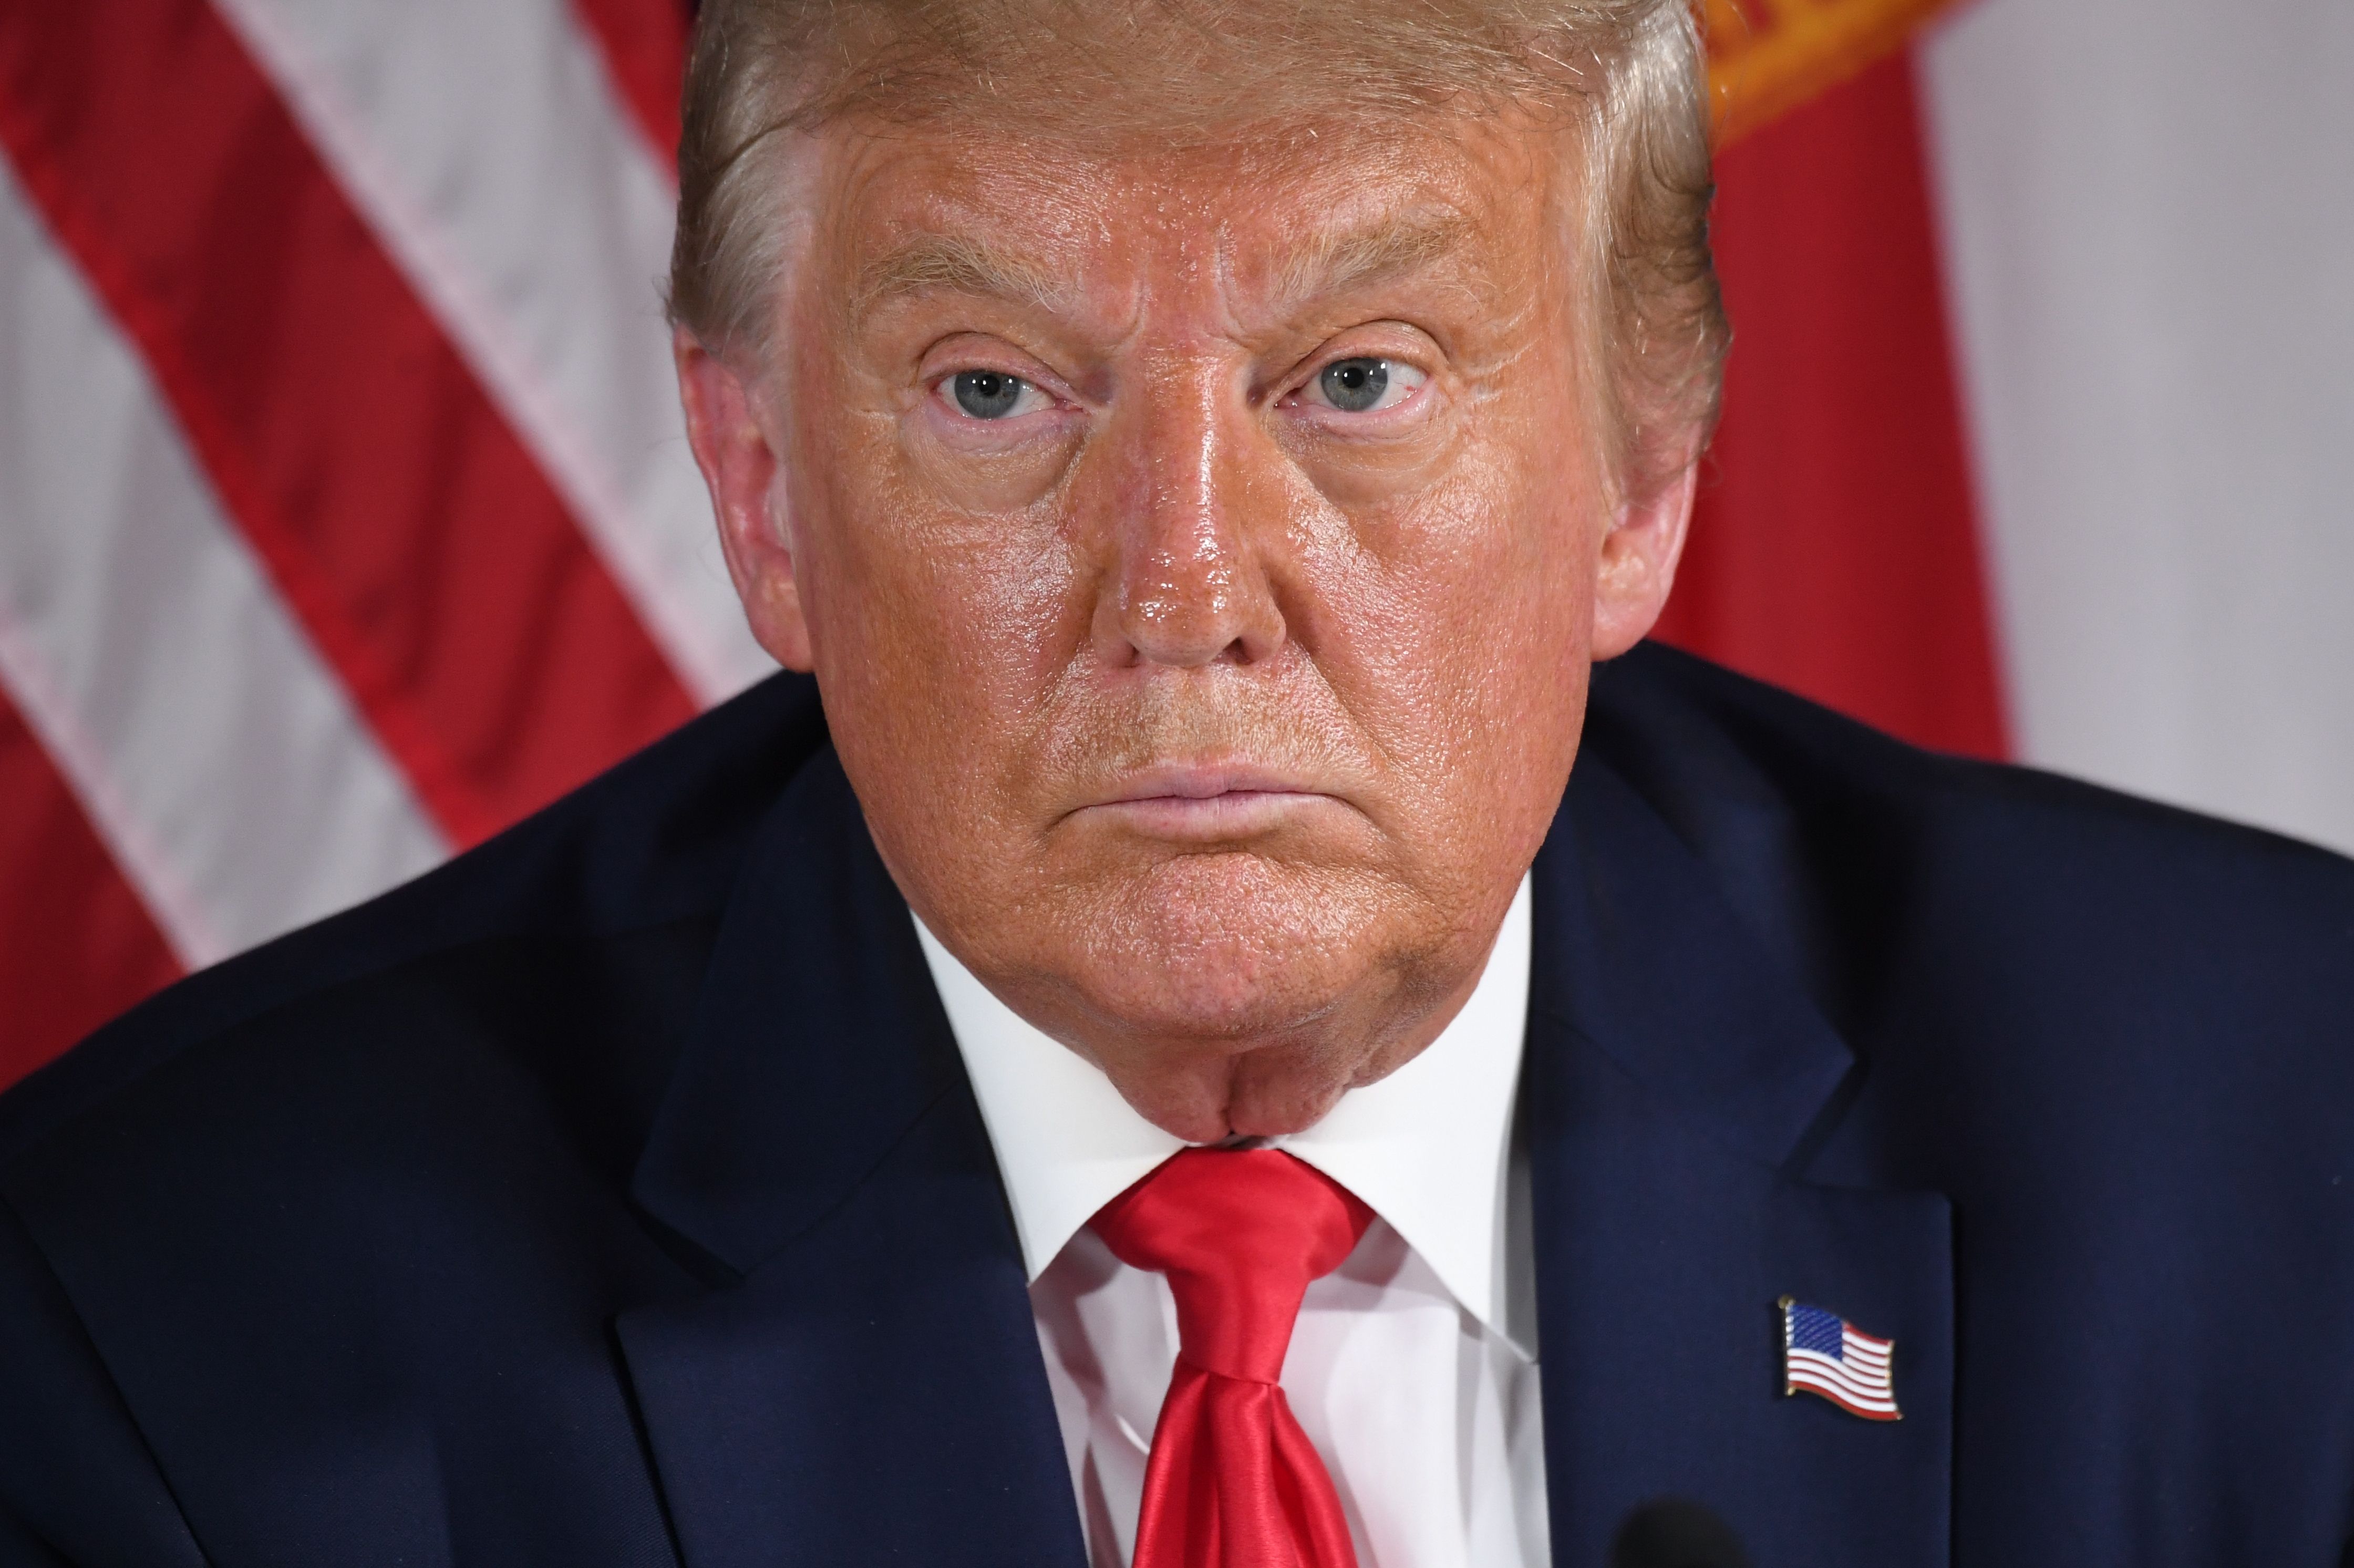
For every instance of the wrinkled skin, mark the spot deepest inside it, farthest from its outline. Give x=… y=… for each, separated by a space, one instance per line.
x=1210 y=722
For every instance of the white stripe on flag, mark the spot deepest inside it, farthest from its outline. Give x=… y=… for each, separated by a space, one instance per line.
x=216 y=754
x=487 y=148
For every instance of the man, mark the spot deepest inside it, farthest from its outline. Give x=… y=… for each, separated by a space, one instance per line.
x=1153 y=1053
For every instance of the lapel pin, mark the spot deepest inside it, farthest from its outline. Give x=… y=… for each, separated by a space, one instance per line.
x=1829 y=1357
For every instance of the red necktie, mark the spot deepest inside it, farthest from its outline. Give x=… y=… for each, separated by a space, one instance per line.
x=1233 y=1482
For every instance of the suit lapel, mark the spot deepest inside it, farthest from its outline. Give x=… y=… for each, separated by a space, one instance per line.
x=862 y=1382
x=1673 y=1074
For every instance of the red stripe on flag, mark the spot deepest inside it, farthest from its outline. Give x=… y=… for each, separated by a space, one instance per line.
x=644 y=43
x=76 y=945
x=1835 y=550
x=426 y=555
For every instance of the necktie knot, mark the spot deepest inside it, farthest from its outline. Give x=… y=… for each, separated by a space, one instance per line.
x=1241 y=1233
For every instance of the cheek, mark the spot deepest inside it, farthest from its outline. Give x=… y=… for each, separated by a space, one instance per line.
x=1481 y=587
x=1457 y=633
x=935 y=628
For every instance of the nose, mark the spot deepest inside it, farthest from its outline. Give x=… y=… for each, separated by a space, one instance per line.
x=1189 y=519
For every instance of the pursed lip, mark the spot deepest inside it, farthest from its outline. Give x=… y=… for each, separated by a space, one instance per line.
x=1220 y=801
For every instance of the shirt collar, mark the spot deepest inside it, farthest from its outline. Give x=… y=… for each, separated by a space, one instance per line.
x=1428 y=1148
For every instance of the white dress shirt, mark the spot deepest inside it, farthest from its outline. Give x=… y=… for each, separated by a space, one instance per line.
x=1412 y=1368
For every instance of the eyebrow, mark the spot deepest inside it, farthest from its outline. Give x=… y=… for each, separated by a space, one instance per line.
x=1378 y=253
x=1329 y=264
x=947 y=263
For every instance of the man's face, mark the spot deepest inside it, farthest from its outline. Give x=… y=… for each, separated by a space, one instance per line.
x=1201 y=555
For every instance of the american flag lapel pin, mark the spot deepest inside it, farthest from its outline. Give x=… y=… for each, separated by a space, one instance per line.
x=1829 y=1357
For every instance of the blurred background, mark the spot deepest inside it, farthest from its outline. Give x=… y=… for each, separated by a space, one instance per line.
x=345 y=515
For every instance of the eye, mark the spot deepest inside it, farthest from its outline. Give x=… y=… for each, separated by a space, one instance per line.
x=991 y=395
x=1364 y=386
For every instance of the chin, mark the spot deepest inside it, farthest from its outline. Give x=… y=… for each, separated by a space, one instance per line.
x=1234 y=949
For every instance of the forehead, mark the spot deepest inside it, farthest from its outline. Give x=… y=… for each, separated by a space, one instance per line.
x=913 y=207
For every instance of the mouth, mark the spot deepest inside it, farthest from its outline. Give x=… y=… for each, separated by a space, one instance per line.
x=1197 y=803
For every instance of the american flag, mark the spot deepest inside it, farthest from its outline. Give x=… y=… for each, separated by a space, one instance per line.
x=1825 y=1354
x=346 y=509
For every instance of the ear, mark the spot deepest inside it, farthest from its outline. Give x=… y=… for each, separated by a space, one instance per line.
x=741 y=466
x=1639 y=562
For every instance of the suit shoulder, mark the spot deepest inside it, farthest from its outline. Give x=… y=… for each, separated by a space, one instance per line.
x=651 y=843
x=1696 y=734
x=1843 y=849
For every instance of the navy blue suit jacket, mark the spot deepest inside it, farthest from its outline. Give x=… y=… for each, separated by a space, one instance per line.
x=614 y=1195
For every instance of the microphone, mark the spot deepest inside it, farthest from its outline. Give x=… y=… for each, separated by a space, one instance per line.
x=1675 y=1533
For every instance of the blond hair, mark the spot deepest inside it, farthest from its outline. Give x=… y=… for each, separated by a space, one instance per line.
x=1631 y=71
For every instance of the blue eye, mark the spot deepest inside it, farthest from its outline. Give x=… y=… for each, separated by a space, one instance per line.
x=1354 y=385
x=1364 y=384
x=987 y=394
